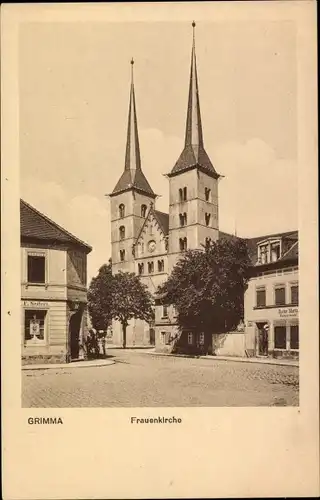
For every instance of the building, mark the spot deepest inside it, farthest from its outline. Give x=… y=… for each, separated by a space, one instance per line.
x=272 y=297
x=53 y=290
x=149 y=243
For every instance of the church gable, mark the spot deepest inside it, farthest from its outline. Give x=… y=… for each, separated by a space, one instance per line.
x=152 y=240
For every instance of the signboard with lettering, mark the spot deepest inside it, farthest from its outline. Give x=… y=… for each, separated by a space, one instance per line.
x=288 y=312
x=37 y=304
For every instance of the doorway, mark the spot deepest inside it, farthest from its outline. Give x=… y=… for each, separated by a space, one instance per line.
x=152 y=336
x=74 y=334
x=263 y=338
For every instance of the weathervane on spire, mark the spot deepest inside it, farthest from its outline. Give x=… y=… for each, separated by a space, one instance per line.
x=194 y=30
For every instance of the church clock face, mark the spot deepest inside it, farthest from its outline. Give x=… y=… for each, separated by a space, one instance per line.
x=151 y=246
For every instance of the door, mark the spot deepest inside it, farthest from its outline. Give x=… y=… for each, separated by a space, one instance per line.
x=74 y=334
x=152 y=336
x=263 y=338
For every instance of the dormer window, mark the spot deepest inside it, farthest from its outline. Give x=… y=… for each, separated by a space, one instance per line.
x=269 y=251
x=121 y=210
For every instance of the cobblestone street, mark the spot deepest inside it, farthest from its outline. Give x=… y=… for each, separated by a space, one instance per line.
x=139 y=379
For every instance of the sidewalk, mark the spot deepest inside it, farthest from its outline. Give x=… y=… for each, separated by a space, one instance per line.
x=68 y=366
x=266 y=361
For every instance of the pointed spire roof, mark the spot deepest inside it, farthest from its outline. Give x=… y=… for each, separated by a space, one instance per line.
x=132 y=176
x=194 y=154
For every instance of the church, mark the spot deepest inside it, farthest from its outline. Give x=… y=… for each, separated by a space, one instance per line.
x=149 y=243
x=146 y=241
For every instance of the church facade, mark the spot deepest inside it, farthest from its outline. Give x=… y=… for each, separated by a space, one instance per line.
x=149 y=242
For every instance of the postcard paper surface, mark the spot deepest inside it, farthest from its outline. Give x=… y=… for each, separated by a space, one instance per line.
x=159 y=250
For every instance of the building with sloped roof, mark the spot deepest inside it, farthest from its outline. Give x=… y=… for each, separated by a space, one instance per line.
x=53 y=289
x=148 y=242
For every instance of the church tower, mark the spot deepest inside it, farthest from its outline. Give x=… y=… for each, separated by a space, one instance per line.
x=130 y=199
x=193 y=183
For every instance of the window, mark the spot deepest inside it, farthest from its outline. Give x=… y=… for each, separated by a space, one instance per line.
x=121 y=210
x=294 y=294
x=275 y=251
x=162 y=337
x=207 y=219
x=201 y=338
x=263 y=254
x=160 y=266
x=207 y=193
x=164 y=311
x=150 y=267
x=280 y=337
x=122 y=255
x=184 y=194
x=190 y=338
x=207 y=241
x=141 y=268
x=280 y=295
x=261 y=297
x=183 y=244
x=34 y=325
x=36 y=268
x=150 y=228
x=143 y=210
x=294 y=337
x=180 y=194
x=183 y=219
x=122 y=232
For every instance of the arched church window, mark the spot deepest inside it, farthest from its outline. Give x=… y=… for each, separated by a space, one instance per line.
x=122 y=255
x=122 y=232
x=180 y=194
x=183 y=244
x=207 y=219
x=122 y=210
x=141 y=268
x=143 y=210
x=160 y=266
x=184 y=194
x=207 y=193
x=150 y=267
x=183 y=219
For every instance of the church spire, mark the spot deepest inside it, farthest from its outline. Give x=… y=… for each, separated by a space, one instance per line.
x=194 y=154
x=132 y=176
x=132 y=159
x=193 y=127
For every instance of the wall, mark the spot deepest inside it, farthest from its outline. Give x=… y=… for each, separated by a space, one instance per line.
x=229 y=344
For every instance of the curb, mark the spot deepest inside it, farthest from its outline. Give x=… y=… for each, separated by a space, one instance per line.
x=67 y=366
x=225 y=358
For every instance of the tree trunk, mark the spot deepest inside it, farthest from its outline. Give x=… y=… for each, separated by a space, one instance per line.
x=124 y=335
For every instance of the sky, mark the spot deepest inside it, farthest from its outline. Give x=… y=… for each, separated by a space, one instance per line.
x=74 y=82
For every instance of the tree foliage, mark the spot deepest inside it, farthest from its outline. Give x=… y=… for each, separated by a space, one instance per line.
x=207 y=287
x=100 y=298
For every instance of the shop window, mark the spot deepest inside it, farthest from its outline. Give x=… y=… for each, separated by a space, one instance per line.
x=280 y=295
x=34 y=325
x=294 y=337
x=122 y=210
x=122 y=255
x=294 y=289
x=122 y=232
x=207 y=219
x=143 y=210
x=201 y=338
x=207 y=193
x=261 y=297
x=164 y=311
x=141 y=268
x=280 y=337
x=160 y=266
x=36 y=269
x=150 y=267
x=190 y=338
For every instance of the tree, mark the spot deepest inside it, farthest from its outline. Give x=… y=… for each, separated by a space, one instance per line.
x=100 y=298
x=130 y=299
x=207 y=287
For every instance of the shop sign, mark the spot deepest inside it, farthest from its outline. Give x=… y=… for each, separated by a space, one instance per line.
x=289 y=312
x=37 y=304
